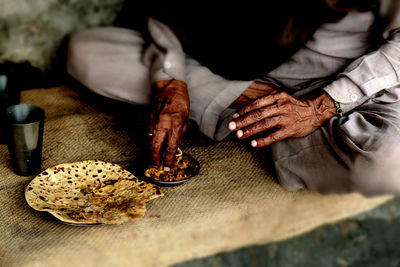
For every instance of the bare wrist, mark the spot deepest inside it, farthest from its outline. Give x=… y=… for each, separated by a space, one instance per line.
x=166 y=83
x=324 y=107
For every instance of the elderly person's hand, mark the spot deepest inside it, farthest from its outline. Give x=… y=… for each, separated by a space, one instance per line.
x=168 y=121
x=281 y=116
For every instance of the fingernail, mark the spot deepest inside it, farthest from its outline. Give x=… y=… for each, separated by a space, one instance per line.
x=232 y=125
x=254 y=143
x=235 y=116
x=239 y=133
x=167 y=169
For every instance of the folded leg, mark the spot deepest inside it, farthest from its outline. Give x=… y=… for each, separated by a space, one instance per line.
x=356 y=153
x=109 y=62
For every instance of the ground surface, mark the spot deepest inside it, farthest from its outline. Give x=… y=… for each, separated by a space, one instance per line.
x=369 y=239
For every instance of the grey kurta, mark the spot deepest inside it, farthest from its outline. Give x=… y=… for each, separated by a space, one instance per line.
x=339 y=157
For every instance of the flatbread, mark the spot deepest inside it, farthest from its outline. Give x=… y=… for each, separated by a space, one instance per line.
x=90 y=192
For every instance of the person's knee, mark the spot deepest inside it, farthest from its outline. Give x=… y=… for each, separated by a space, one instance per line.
x=84 y=61
x=379 y=173
x=78 y=58
x=372 y=173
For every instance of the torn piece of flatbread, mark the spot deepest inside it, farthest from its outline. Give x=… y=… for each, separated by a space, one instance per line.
x=90 y=192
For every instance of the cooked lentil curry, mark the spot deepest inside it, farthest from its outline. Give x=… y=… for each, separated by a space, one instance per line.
x=183 y=169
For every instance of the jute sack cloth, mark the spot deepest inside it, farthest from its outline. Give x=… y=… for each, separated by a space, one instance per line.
x=234 y=202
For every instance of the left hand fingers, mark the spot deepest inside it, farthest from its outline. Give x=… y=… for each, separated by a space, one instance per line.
x=254 y=116
x=258 y=127
x=263 y=102
x=272 y=138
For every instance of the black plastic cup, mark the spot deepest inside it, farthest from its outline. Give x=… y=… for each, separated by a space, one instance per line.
x=25 y=138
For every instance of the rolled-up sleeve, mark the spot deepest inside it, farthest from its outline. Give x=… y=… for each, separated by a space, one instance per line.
x=376 y=71
x=165 y=53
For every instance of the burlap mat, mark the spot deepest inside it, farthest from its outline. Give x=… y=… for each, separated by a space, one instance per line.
x=234 y=202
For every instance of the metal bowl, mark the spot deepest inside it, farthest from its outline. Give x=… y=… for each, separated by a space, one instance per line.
x=139 y=167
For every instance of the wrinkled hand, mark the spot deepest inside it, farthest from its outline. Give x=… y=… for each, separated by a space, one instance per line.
x=168 y=121
x=284 y=115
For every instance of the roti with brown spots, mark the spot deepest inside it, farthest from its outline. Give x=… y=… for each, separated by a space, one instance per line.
x=90 y=192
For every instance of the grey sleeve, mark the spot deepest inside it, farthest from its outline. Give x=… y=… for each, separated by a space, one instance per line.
x=375 y=72
x=165 y=54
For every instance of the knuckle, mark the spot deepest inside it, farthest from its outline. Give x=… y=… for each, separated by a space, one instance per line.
x=276 y=120
x=261 y=142
x=177 y=123
x=171 y=150
x=163 y=125
x=246 y=109
x=258 y=114
x=281 y=95
x=156 y=144
x=164 y=116
x=257 y=102
x=245 y=121
x=247 y=131
x=265 y=124
x=154 y=150
x=241 y=122
x=262 y=101
x=286 y=106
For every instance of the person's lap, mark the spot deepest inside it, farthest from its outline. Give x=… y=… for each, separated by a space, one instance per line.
x=357 y=152
x=109 y=61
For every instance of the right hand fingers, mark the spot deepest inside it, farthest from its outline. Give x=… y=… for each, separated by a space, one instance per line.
x=167 y=131
x=156 y=145
x=174 y=139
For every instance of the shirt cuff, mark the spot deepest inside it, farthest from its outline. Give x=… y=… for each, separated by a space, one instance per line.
x=166 y=53
x=347 y=93
x=169 y=66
